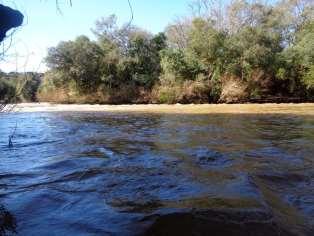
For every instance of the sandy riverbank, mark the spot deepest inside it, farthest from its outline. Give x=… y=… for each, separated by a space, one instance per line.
x=298 y=109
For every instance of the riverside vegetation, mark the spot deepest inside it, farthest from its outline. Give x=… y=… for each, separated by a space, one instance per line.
x=242 y=51
x=19 y=87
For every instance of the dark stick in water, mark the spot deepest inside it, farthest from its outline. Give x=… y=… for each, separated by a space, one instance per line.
x=12 y=136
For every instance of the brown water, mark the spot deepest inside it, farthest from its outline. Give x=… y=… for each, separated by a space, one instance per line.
x=106 y=173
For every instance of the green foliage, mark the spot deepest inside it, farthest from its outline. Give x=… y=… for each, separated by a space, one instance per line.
x=308 y=78
x=206 y=45
x=252 y=48
x=146 y=59
x=7 y=90
x=174 y=61
x=257 y=47
x=121 y=57
x=299 y=58
x=27 y=86
x=19 y=87
x=77 y=60
x=168 y=95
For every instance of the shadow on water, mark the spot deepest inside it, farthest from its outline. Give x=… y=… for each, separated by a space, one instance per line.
x=158 y=174
x=7 y=222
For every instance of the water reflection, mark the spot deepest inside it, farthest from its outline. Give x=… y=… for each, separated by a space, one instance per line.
x=119 y=174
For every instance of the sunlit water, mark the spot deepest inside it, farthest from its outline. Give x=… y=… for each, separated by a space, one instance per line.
x=120 y=174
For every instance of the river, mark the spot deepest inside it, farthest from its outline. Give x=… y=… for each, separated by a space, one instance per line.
x=88 y=172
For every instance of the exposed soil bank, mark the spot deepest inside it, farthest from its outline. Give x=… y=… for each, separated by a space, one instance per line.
x=267 y=108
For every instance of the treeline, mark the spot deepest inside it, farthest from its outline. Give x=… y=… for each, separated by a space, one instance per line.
x=19 y=87
x=235 y=51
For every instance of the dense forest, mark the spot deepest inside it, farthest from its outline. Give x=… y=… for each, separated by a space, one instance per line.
x=240 y=51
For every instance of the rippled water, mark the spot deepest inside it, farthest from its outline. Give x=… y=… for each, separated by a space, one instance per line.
x=156 y=174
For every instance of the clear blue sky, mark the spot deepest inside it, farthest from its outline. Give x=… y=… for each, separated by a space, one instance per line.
x=45 y=27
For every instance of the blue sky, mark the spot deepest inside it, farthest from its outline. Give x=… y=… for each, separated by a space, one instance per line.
x=45 y=27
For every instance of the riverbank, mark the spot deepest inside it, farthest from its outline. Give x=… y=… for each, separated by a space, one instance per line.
x=267 y=108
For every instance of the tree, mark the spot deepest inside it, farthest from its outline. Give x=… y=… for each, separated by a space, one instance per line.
x=77 y=61
x=145 y=51
x=176 y=34
x=134 y=51
x=304 y=49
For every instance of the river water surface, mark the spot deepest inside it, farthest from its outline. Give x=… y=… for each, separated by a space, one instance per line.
x=107 y=173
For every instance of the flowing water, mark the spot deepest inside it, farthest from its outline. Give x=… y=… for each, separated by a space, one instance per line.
x=107 y=173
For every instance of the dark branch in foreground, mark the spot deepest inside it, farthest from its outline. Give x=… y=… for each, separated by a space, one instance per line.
x=9 y=18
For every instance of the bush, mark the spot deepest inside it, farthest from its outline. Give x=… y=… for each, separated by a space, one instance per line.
x=188 y=91
x=7 y=91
